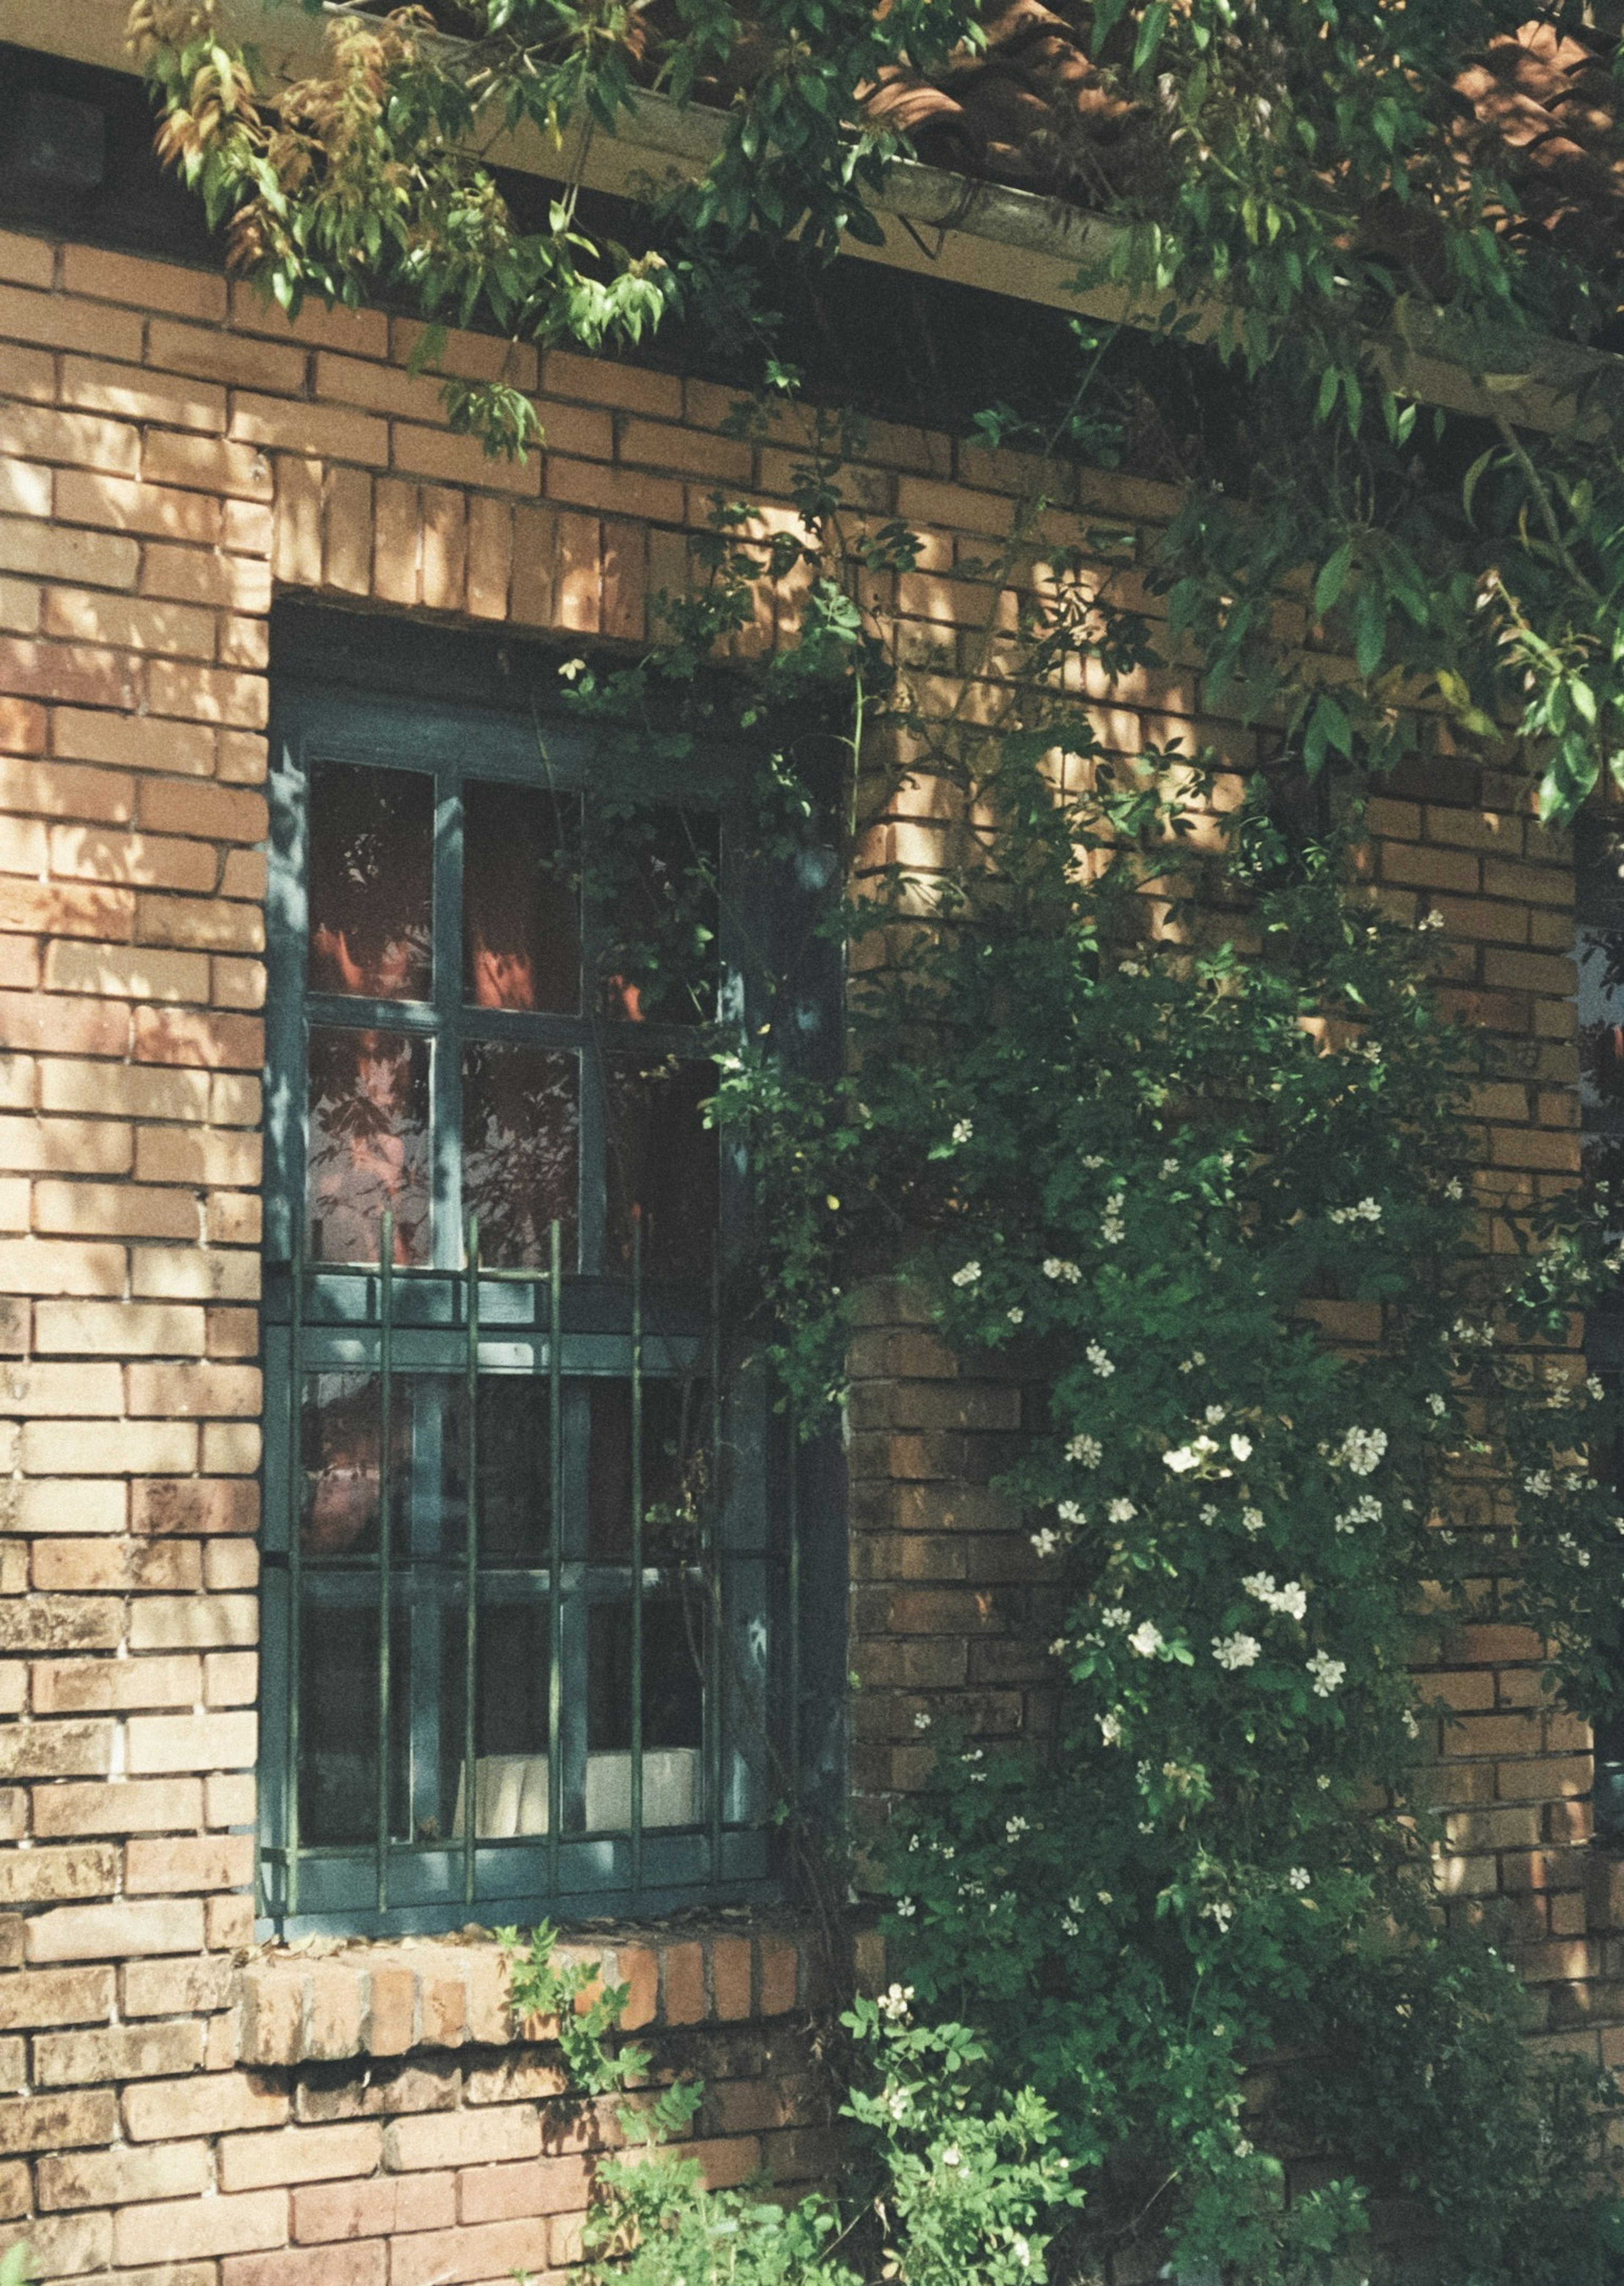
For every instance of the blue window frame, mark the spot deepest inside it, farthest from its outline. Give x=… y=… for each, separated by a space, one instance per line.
x=535 y=1587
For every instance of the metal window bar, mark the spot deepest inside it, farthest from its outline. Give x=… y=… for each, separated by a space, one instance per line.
x=295 y=1577
x=386 y=1437
x=470 y=1571
x=715 y=1641
x=636 y=1614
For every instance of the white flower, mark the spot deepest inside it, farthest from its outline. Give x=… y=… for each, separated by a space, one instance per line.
x=1436 y=1406
x=1213 y=1416
x=1021 y=2251
x=921 y=1720
x=1086 y=1449
x=1069 y=1927
x=1116 y=1615
x=571 y=668
x=1069 y=1512
x=1146 y=1639
x=1367 y=1211
x=1362 y=1448
x=1473 y=1335
x=906 y=1907
x=1066 y=1272
x=1093 y=1160
x=1121 y=1511
x=1236 y=1650
x=1220 y=1914
x=1104 y=1896
x=1323 y=1782
x=1366 y=1510
x=1453 y=1188
x=950 y=2157
x=1045 y=1541
x=893 y=2002
x=1058 y=1648
x=1170 y=1166
x=1569 y=1546
x=963 y=1131
x=968 y=1275
x=1112 y=1229
x=1015 y=1316
x=1412 y=1729
x=1430 y=919
x=1241 y=1447
x=1292 y=1599
x=1298 y=1878
x=1595 y=1388
x=1207 y=1513
x=1110 y=1730
x=1100 y=1361
x=1252 y=1518
x=1013 y=1828
x=1537 y=1482
x=1327 y=1672
x=896 y=2100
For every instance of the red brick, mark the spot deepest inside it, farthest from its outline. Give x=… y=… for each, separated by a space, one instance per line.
x=378 y=2207
x=532 y=2187
x=142 y=285
x=364 y=2263
x=121 y=504
x=730 y=1977
x=162 y=2111
x=78 y=674
x=682 y=1967
x=299 y=2155
x=441 y=2258
x=114 y=1932
x=462 y=2138
x=196 y=2228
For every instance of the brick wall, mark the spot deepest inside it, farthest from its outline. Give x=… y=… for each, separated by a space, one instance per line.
x=172 y=455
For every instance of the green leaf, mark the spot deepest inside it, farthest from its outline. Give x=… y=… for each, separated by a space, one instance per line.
x=1153 y=25
x=1332 y=580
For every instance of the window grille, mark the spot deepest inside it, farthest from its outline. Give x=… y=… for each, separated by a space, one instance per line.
x=533 y=1559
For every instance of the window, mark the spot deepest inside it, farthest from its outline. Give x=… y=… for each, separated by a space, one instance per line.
x=531 y=1540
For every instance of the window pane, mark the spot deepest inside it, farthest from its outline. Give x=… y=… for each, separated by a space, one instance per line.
x=657 y=881
x=368 y=1147
x=338 y=1722
x=676 y=1420
x=521 y=1145
x=516 y=1473
x=661 y=1158
x=521 y=898
x=371 y=881
x=673 y=1692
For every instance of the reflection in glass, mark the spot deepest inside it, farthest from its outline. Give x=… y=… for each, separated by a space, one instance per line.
x=338 y=1723
x=662 y=1159
x=521 y=898
x=660 y=916
x=371 y=881
x=672 y=1690
x=675 y=1418
x=516 y=1469
x=368 y=1144
x=1601 y=1016
x=521 y=1143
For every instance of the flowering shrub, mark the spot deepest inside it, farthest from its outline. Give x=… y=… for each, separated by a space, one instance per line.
x=1209 y=1194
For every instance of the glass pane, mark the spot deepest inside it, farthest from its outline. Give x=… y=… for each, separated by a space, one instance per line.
x=662 y=1159
x=521 y=1151
x=371 y=881
x=368 y=1144
x=673 y=1691
x=510 y=1757
x=675 y=1421
x=521 y=898
x=516 y=1474
x=657 y=880
x=338 y=1722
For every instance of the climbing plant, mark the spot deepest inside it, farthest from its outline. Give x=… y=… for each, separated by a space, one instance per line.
x=1159 y=1112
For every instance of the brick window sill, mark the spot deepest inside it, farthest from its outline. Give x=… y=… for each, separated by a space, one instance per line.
x=391 y=2000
